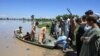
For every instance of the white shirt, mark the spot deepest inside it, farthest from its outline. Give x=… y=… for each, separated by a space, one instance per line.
x=87 y=27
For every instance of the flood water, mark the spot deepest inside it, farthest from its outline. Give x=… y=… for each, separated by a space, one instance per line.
x=10 y=46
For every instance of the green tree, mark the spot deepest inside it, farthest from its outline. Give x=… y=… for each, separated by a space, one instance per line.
x=58 y=17
x=65 y=16
x=76 y=16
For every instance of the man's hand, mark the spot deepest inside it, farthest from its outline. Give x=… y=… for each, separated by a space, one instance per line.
x=82 y=38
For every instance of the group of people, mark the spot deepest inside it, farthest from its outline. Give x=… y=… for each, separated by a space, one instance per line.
x=87 y=35
x=63 y=31
x=85 y=31
x=30 y=36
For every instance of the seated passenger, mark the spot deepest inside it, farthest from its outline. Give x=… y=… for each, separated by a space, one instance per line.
x=18 y=32
x=20 y=29
x=27 y=36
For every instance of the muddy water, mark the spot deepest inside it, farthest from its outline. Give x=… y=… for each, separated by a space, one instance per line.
x=10 y=46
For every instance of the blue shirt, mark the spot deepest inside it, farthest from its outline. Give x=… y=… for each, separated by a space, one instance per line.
x=62 y=38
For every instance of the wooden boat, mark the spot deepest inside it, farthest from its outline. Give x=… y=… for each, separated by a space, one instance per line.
x=49 y=45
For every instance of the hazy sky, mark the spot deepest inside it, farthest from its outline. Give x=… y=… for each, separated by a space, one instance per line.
x=46 y=8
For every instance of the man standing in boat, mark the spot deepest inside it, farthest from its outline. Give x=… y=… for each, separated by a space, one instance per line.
x=33 y=33
x=42 y=34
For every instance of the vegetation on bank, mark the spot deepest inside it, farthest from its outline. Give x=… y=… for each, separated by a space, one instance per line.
x=65 y=16
x=44 y=24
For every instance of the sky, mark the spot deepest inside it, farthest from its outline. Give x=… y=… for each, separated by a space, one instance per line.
x=46 y=8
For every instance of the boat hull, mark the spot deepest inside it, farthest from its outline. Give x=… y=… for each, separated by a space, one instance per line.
x=49 y=45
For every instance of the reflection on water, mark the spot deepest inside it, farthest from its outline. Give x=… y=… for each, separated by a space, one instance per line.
x=10 y=46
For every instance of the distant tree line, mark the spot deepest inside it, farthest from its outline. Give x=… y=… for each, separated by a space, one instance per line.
x=59 y=17
x=15 y=19
x=44 y=19
x=65 y=16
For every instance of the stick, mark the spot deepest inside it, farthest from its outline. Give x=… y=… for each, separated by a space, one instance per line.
x=69 y=11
